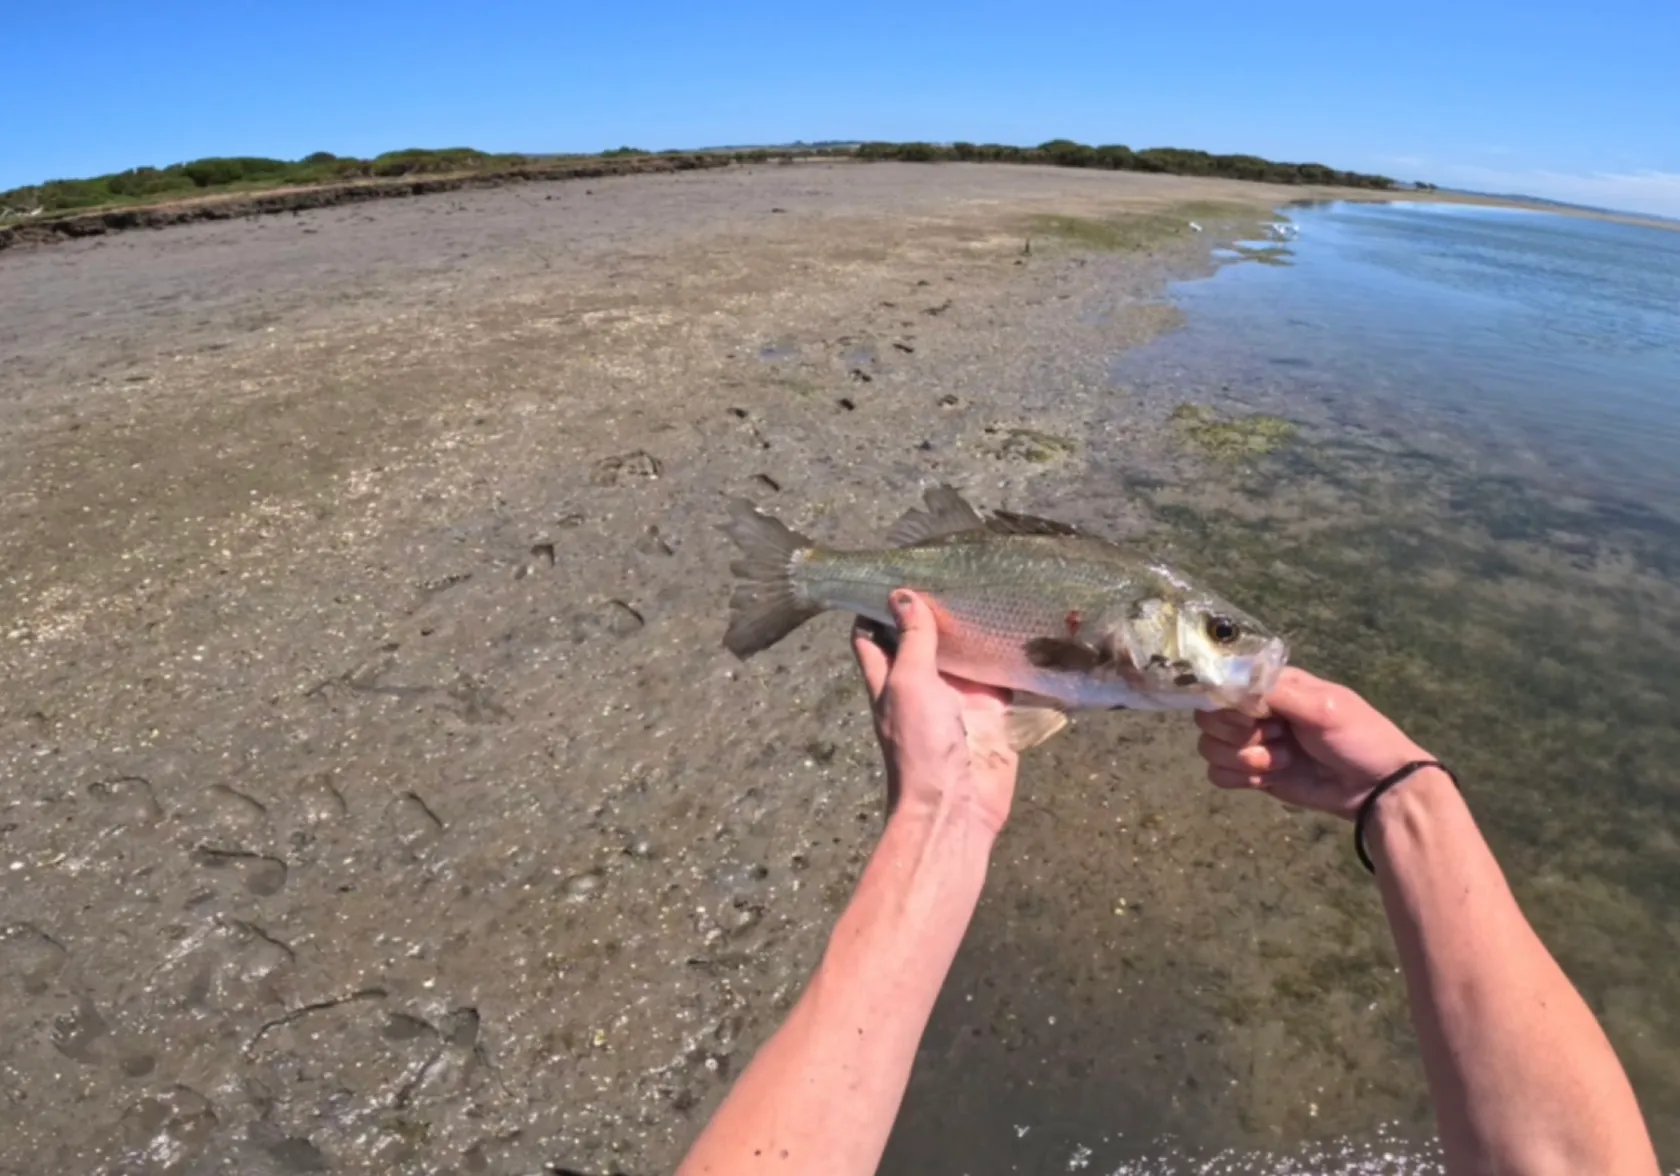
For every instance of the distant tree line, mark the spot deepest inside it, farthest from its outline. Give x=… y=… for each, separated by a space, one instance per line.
x=233 y=173
x=1176 y=161
x=243 y=173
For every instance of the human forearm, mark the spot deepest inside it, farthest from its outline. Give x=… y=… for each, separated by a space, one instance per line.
x=1523 y=1078
x=821 y=1094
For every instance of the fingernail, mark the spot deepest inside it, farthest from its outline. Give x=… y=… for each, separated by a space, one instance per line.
x=900 y=602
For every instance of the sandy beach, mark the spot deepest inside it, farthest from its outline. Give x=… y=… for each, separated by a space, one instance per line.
x=381 y=797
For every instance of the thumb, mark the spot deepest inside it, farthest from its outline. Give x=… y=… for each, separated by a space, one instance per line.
x=1307 y=702
x=918 y=646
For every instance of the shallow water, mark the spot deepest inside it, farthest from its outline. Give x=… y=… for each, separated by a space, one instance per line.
x=1477 y=525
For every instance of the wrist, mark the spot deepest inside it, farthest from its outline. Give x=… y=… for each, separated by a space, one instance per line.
x=1403 y=819
x=951 y=823
x=920 y=888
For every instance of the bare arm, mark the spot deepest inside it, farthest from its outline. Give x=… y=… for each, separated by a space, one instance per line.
x=1523 y=1079
x=822 y=1093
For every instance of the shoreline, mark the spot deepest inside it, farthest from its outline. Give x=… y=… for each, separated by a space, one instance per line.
x=276 y=201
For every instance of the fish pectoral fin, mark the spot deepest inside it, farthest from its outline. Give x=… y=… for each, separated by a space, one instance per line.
x=1028 y=726
x=947 y=513
x=1059 y=653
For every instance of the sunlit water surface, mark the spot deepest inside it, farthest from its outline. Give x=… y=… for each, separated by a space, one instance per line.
x=1477 y=525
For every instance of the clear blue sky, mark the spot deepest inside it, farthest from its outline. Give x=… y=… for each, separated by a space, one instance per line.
x=1573 y=100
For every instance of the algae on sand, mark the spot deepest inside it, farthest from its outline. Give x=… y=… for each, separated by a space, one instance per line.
x=1248 y=436
x=1032 y=445
x=1130 y=231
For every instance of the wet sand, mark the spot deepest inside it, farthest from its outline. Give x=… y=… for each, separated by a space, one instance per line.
x=381 y=798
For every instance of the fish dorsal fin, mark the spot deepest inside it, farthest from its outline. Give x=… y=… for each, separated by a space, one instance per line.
x=947 y=513
x=1007 y=522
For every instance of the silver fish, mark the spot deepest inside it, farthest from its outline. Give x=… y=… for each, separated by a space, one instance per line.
x=1064 y=619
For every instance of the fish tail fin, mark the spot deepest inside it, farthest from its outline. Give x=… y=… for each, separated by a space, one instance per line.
x=767 y=604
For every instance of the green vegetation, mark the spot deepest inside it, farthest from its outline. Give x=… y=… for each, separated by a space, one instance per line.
x=150 y=185
x=1139 y=230
x=1175 y=161
x=1118 y=234
x=1031 y=445
x=201 y=177
x=1229 y=440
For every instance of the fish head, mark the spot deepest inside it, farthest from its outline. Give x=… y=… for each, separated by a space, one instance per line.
x=1191 y=644
x=1236 y=660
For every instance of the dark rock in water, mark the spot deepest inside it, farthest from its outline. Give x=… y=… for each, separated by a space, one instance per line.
x=614 y=617
x=460 y=1028
x=626 y=467
x=847 y=403
x=622 y=620
x=412 y=821
x=653 y=543
x=297 y=1154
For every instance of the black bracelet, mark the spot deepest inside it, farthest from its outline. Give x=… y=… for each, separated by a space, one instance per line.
x=1368 y=805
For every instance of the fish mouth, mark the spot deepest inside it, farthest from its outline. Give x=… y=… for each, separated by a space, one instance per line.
x=1266 y=667
x=1253 y=677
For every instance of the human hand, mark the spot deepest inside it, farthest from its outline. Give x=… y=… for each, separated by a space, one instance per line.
x=1321 y=747
x=942 y=736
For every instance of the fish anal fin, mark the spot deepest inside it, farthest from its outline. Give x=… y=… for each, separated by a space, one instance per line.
x=947 y=513
x=1057 y=653
x=1016 y=730
x=1028 y=726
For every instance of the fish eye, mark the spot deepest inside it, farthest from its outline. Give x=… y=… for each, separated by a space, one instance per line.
x=1223 y=630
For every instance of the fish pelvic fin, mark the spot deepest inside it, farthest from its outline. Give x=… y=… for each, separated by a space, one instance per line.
x=767 y=605
x=947 y=513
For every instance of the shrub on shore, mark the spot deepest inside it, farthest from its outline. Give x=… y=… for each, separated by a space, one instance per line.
x=145 y=185
x=1177 y=161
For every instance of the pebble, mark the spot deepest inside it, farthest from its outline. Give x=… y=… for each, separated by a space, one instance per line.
x=581 y=887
